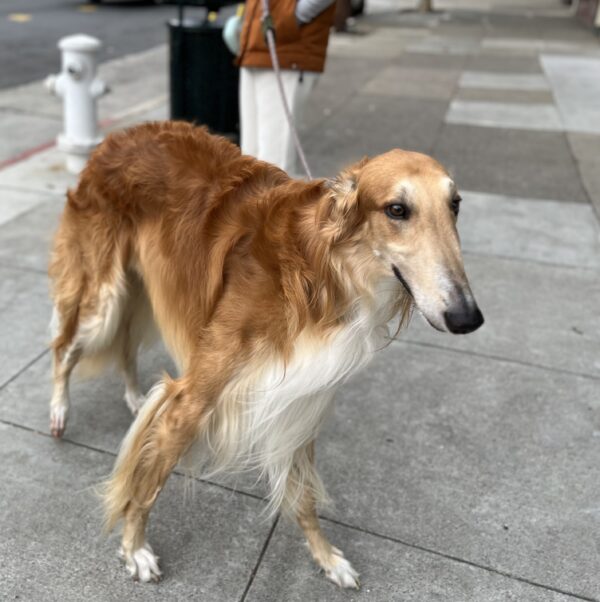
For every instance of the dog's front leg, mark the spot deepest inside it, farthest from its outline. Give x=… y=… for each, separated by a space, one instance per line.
x=328 y=557
x=163 y=431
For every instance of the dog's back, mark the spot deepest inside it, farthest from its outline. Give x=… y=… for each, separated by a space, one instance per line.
x=161 y=167
x=167 y=172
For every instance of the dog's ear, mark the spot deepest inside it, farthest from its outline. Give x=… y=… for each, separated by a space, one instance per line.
x=343 y=213
x=346 y=182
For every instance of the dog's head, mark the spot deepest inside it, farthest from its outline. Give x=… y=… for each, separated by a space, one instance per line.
x=400 y=210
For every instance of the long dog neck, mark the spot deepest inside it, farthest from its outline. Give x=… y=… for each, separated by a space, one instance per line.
x=319 y=283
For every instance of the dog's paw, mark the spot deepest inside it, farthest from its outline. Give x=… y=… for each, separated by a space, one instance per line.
x=142 y=564
x=340 y=571
x=58 y=421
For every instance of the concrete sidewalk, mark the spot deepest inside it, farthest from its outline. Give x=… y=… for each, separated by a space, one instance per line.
x=462 y=469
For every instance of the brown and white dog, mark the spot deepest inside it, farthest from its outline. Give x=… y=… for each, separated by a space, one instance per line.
x=268 y=292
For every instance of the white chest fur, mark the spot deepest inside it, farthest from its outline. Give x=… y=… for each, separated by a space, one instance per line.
x=273 y=409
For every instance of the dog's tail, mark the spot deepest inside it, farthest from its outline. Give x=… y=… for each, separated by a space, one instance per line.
x=131 y=480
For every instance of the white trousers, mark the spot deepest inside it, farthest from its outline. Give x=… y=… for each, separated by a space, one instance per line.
x=265 y=132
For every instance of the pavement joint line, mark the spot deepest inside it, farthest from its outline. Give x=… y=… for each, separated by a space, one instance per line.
x=260 y=558
x=23 y=369
x=499 y=358
x=539 y=262
x=460 y=560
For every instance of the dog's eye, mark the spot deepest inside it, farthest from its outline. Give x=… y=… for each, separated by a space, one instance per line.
x=397 y=211
x=455 y=204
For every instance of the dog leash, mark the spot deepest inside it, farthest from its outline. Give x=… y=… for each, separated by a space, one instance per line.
x=269 y=33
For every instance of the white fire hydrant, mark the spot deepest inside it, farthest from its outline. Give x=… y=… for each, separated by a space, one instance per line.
x=79 y=88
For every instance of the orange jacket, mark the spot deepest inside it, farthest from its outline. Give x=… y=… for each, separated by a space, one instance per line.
x=298 y=47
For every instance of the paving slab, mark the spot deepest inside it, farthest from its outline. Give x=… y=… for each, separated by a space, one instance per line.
x=439 y=44
x=503 y=81
x=24 y=318
x=42 y=172
x=513 y=162
x=413 y=83
x=134 y=80
x=575 y=82
x=503 y=96
x=32 y=99
x=504 y=64
x=21 y=132
x=405 y=20
x=531 y=229
x=52 y=548
x=15 y=202
x=586 y=150
x=25 y=240
x=535 y=313
x=343 y=78
x=369 y=125
x=510 y=115
x=418 y=60
x=382 y=43
x=529 y=46
x=483 y=460
x=586 y=147
x=389 y=571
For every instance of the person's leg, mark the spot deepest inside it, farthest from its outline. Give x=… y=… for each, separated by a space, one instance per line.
x=275 y=140
x=248 y=112
x=273 y=129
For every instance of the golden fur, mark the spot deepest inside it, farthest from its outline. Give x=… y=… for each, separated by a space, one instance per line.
x=268 y=292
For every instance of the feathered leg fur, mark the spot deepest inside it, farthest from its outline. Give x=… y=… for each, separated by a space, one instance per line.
x=166 y=426
x=328 y=557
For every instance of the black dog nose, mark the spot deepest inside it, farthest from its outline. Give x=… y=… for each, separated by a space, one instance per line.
x=463 y=320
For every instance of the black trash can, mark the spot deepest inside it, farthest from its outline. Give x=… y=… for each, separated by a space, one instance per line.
x=203 y=76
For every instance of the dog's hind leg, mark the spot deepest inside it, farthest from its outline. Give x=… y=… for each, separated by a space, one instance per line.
x=137 y=324
x=329 y=558
x=134 y=398
x=64 y=362
x=86 y=326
